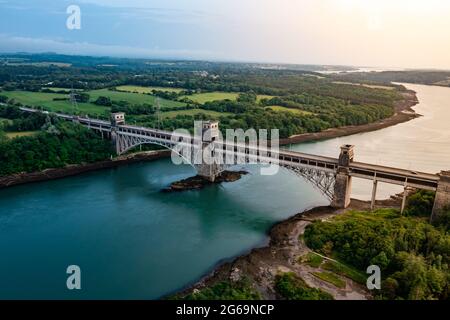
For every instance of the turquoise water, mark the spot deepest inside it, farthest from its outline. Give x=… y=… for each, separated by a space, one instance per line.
x=132 y=241
x=129 y=239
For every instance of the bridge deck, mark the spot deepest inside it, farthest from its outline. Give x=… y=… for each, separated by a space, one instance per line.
x=286 y=157
x=396 y=171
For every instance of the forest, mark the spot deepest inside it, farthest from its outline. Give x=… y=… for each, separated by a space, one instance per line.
x=428 y=77
x=413 y=254
x=55 y=145
x=171 y=95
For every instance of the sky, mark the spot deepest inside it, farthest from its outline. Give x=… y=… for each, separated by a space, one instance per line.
x=379 y=33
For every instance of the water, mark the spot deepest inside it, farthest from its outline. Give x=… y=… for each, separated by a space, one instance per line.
x=134 y=242
x=131 y=240
x=422 y=144
x=359 y=69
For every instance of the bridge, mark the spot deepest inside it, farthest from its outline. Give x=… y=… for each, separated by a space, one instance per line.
x=331 y=176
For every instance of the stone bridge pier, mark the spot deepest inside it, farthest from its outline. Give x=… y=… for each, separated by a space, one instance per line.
x=208 y=168
x=117 y=118
x=442 y=200
x=343 y=183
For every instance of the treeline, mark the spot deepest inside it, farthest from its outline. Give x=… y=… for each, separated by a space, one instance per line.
x=320 y=115
x=129 y=109
x=413 y=255
x=59 y=144
x=290 y=286
x=191 y=76
x=417 y=76
x=21 y=121
x=225 y=290
x=325 y=104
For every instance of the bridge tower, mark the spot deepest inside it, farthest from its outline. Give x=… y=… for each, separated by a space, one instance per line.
x=208 y=168
x=117 y=119
x=343 y=184
x=442 y=200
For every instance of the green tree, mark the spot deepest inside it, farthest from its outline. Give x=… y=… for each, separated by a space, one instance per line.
x=292 y=287
x=420 y=203
x=103 y=101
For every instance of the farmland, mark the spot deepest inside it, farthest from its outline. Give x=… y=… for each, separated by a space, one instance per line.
x=140 y=89
x=133 y=98
x=212 y=96
x=259 y=97
x=12 y=135
x=192 y=112
x=238 y=95
x=293 y=110
x=45 y=100
x=55 y=89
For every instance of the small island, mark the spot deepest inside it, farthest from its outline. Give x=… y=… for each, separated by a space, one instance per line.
x=198 y=182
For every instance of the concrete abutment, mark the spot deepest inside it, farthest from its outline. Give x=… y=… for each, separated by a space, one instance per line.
x=442 y=199
x=343 y=183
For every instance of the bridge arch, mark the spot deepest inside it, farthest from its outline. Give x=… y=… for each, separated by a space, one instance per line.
x=124 y=148
x=321 y=180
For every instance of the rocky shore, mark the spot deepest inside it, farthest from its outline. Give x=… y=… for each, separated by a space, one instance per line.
x=71 y=170
x=261 y=265
x=198 y=182
x=403 y=113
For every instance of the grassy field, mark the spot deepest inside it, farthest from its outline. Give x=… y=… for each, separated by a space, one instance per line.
x=12 y=135
x=330 y=278
x=312 y=259
x=212 y=96
x=197 y=97
x=60 y=89
x=373 y=86
x=346 y=271
x=297 y=111
x=139 y=89
x=259 y=97
x=133 y=98
x=45 y=100
x=210 y=113
x=5 y=121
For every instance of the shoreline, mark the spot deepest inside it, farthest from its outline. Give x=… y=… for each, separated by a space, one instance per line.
x=72 y=170
x=403 y=113
x=261 y=265
x=282 y=237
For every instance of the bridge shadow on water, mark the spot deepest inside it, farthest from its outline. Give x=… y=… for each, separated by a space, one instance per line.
x=241 y=204
x=238 y=205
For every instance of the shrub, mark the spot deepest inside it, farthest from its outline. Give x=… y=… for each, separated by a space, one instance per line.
x=291 y=287
x=420 y=203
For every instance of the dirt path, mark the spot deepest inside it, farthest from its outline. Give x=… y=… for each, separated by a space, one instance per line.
x=261 y=265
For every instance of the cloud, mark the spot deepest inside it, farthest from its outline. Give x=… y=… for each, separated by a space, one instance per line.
x=16 y=44
x=377 y=33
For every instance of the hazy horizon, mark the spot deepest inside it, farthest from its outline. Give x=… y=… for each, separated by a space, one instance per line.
x=401 y=35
